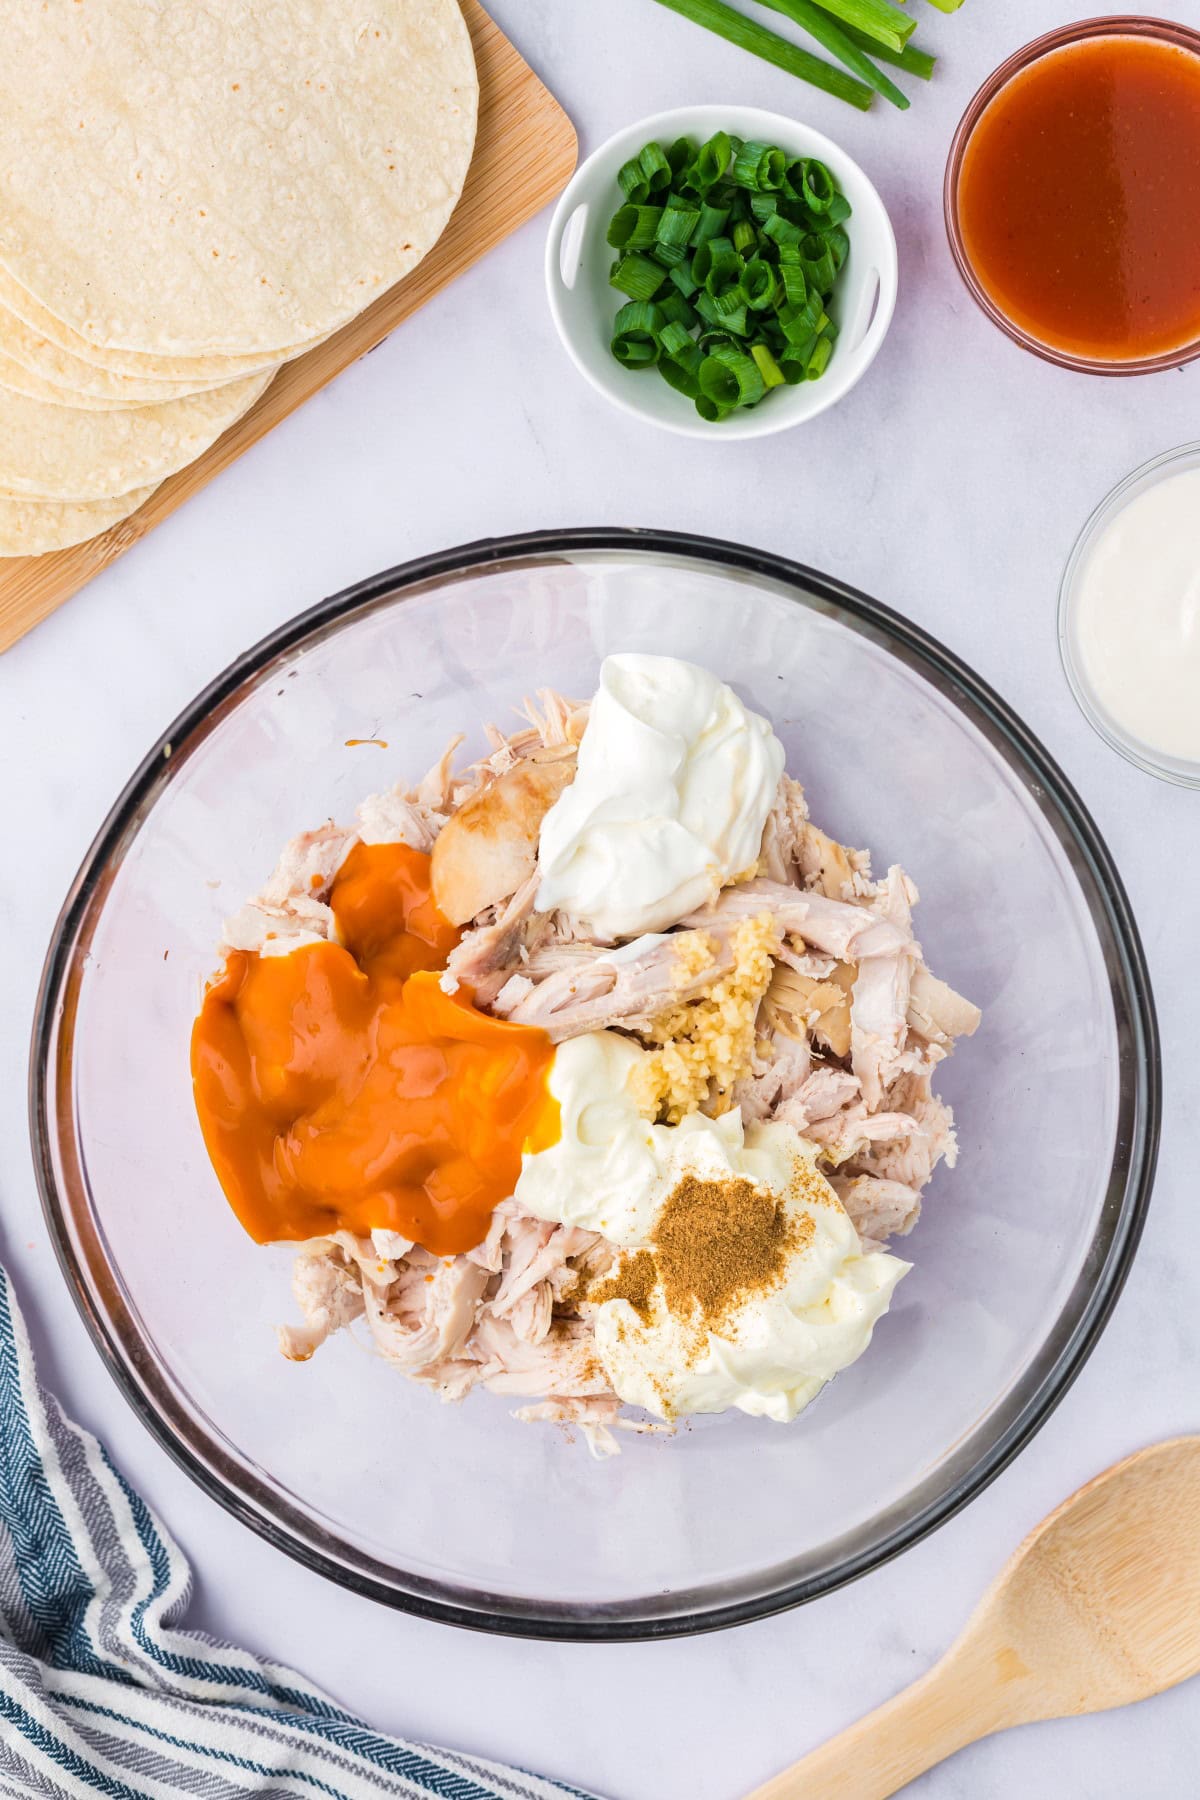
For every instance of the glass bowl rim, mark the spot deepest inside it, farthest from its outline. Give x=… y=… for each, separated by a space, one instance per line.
x=1118 y=1231
x=1177 y=770
x=1063 y=37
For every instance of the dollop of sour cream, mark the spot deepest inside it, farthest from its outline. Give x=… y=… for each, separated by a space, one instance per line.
x=675 y=780
x=612 y=1171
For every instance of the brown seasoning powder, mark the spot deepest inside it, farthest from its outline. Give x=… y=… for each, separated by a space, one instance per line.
x=717 y=1240
x=633 y=1280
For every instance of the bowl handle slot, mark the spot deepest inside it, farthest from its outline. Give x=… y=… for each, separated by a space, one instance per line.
x=569 y=259
x=866 y=312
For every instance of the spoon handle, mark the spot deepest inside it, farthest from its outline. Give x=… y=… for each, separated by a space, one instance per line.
x=951 y=1706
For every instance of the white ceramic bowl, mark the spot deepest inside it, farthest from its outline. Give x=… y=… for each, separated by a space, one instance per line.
x=584 y=305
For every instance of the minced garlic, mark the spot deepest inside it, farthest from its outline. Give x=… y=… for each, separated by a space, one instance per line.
x=704 y=1046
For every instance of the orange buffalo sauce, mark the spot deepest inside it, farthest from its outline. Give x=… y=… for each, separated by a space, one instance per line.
x=338 y=1086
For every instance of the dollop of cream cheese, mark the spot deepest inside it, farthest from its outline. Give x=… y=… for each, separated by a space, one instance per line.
x=674 y=783
x=612 y=1171
x=774 y=1349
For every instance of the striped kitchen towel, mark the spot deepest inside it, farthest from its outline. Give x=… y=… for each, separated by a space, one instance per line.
x=103 y=1693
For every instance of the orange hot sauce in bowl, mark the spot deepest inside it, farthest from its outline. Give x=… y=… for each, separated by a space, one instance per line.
x=338 y=1086
x=1073 y=195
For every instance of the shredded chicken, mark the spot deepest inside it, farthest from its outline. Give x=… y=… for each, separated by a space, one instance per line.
x=878 y=1209
x=500 y=1316
x=488 y=954
x=799 y=994
x=290 y=909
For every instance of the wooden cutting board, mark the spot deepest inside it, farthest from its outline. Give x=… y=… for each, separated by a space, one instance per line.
x=524 y=154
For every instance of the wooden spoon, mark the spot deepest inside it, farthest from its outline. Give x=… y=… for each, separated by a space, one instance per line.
x=1099 y=1606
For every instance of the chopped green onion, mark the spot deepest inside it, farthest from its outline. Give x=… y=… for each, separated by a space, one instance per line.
x=634 y=227
x=706 y=309
x=801 y=322
x=679 y=156
x=633 y=183
x=747 y=34
x=946 y=6
x=730 y=305
x=676 y=225
x=818 y=362
x=729 y=377
x=674 y=338
x=818 y=188
x=634 y=344
x=655 y=167
x=782 y=231
x=711 y=223
x=639 y=315
x=839 y=247
x=682 y=372
x=637 y=276
x=712 y=160
x=768 y=368
x=736 y=323
x=760 y=284
x=726 y=282
x=758 y=167
x=816 y=259
x=675 y=310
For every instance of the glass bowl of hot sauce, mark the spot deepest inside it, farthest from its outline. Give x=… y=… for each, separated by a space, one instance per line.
x=1072 y=196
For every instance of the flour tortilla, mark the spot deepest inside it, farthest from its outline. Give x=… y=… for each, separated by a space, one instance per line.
x=183 y=374
x=21 y=380
x=61 y=453
x=48 y=362
x=186 y=181
x=33 y=527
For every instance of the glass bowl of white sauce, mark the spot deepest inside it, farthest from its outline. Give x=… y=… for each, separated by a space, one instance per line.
x=1129 y=617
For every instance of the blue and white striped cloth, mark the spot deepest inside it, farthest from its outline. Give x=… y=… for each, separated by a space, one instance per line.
x=102 y=1693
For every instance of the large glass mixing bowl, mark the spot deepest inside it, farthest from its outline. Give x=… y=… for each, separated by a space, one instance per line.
x=459 y=1513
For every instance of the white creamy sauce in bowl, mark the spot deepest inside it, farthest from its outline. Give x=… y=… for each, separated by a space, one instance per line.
x=1136 y=617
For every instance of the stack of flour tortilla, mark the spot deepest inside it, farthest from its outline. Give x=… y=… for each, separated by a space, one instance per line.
x=190 y=196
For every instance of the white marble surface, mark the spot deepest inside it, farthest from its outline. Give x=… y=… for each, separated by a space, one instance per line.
x=950 y=484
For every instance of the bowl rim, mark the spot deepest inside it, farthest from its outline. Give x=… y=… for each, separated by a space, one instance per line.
x=1062 y=37
x=1032 y=1397
x=1175 y=769
x=761 y=422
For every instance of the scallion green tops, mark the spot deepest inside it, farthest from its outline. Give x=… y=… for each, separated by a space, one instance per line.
x=728 y=253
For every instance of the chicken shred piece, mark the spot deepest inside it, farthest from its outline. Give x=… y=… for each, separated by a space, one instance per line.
x=878 y=1209
x=837 y=928
x=488 y=848
x=488 y=955
x=937 y=1012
